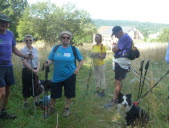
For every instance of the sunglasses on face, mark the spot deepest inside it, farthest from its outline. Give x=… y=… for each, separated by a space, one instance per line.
x=28 y=41
x=65 y=37
x=4 y=22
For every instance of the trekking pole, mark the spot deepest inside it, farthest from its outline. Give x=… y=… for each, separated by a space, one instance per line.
x=154 y=85
x=47 y=70
x=141 y=72
x=138 y=74
x=89 y=75
x=146 y=68
x=33 y=87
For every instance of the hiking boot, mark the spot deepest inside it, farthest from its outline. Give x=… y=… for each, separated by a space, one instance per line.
x=101 y=94
x=5 y=115
x=111 y=104
x=66 y=112
x=26 y=105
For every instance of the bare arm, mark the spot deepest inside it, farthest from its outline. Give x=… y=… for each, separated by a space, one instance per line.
x=27 y=65
x=20 y=54
x=49 y=62
x=102 y=55
x=78 y=67
x=17 y=52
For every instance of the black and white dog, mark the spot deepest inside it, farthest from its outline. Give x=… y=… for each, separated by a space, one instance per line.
x=134 y=115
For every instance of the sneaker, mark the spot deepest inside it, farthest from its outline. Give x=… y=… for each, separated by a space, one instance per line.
x=101 y=94
x=111 y=104
x=66 y=112
x=26 y=105
x=5 y=115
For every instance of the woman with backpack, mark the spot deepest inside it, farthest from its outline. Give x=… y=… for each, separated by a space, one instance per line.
x=98 y=54
x=64 y=57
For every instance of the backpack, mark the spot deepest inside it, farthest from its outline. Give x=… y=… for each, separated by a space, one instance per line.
x=133 y=52
x=73 y=49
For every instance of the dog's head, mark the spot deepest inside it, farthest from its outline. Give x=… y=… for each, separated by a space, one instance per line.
x=125 y=101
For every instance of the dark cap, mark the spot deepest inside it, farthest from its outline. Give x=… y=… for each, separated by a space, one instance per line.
x=4 y=18
x=116 y=29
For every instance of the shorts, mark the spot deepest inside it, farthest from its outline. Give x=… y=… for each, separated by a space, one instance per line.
x=120 y=73
x=69 y=88
x=27 y=89
x=6 y=76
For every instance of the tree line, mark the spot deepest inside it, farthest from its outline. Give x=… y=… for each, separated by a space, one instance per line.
x=45 y=20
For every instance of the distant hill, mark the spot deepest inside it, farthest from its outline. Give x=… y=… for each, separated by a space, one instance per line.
x=145 y=27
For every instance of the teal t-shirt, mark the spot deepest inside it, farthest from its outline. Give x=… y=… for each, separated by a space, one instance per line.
x=64 y=62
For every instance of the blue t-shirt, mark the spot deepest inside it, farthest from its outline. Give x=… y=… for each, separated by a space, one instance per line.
x=7 y=41
x=124 y=45
x=64 y=62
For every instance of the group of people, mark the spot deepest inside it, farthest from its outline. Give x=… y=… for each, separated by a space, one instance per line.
x=63 y=57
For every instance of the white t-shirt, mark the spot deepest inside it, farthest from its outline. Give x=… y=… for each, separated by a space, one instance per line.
x=35 y=55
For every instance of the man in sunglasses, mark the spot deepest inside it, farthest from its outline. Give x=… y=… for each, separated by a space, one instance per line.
x=7 y=47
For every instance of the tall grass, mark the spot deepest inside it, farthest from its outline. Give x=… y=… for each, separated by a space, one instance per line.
x=87 y=109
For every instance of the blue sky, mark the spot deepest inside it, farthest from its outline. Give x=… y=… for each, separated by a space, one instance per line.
x=139 y=10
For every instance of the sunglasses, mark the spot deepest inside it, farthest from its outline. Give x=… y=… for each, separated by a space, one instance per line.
x=28 y=40
x=65 y=37
x=4 y=22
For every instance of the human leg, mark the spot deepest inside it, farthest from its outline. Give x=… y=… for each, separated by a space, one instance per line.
x=2 y=95
x=102 y=79
x=9 y=80
x=97 y=78
x=69 y=88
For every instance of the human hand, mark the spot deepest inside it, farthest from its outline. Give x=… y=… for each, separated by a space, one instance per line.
x=94 y=55
x=114 y=45
x=35 y=71
x=76 y=71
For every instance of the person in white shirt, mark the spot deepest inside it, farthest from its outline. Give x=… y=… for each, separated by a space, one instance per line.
x=30 y=71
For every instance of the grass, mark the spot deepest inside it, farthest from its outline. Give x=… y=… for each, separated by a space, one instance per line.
x=87 y=108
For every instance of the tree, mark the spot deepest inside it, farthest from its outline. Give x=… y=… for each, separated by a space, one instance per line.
x=14 y=9
x=164 y=36
x=46 y=21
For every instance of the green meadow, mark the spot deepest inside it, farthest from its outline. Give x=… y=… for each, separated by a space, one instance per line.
x=87 y=109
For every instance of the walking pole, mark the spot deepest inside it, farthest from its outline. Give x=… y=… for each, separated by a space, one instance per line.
x=89 y=75
x=138 y=74
x=154 y=85
x=141 y=71
x=47 y=70
x=146 y=68
x=33 y=89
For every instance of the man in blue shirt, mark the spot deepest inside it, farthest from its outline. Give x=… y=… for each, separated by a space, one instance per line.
x=120 y=63
x=7 y=47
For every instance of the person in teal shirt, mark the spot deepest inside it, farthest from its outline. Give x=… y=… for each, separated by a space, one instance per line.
x=65 y=71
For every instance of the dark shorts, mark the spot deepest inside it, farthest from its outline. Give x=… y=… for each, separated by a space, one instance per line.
x=27 y=89
x=120 y=73
x=6 y=76
x=69 y=88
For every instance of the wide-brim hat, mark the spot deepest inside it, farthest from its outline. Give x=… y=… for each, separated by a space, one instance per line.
x=4 y=18
x=65 y=32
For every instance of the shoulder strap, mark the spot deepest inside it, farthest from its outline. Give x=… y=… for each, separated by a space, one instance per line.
x=56 y=47
x=73 y=49
x=101 y=48
x=74 y=52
